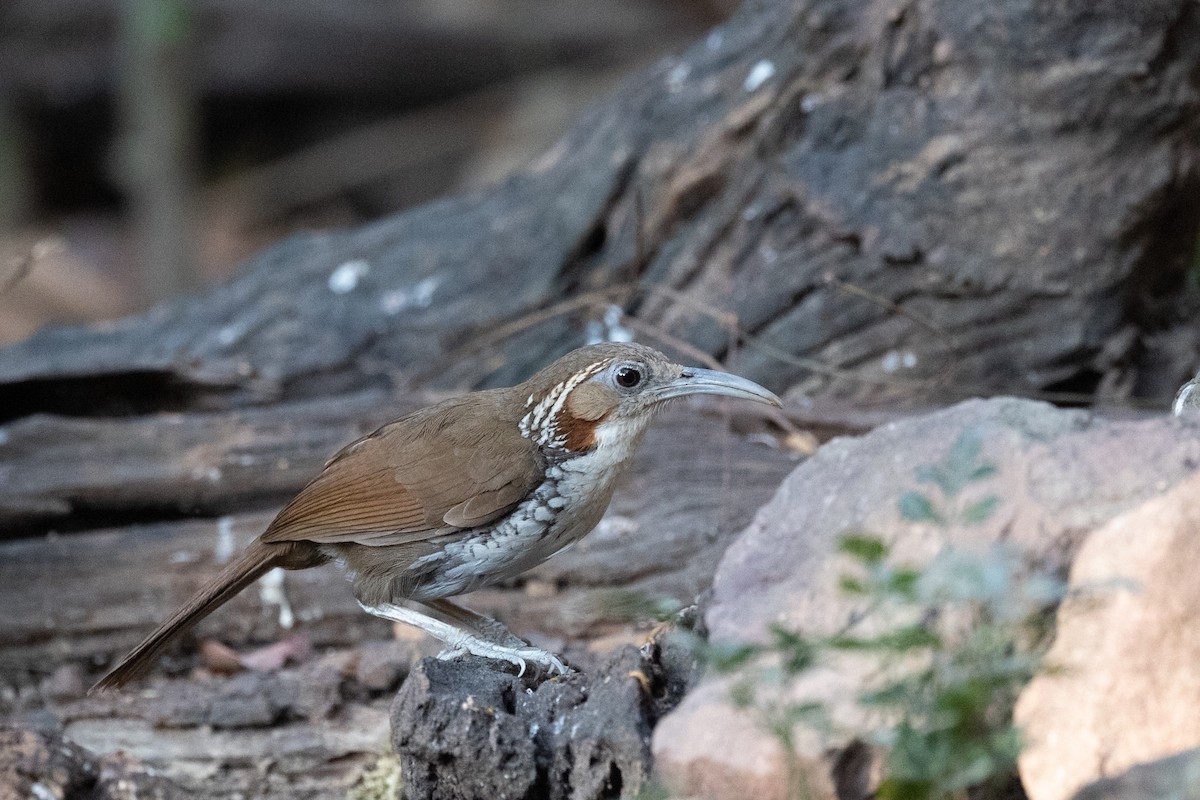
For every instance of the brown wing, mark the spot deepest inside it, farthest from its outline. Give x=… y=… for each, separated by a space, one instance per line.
x=440 y=469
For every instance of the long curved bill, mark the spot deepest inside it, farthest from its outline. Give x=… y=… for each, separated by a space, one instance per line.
x=708 y=381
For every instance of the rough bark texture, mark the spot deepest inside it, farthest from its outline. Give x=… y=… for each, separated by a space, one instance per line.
x=466 y=731
x=931 y=194
x=62 y=472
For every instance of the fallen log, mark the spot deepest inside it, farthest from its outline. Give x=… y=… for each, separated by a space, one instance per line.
x=899 y=198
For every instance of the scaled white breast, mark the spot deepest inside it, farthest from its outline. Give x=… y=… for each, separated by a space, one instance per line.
x=615 y=442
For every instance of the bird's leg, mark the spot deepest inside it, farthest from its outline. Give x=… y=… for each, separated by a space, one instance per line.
x=464 y=641
x=490 y=629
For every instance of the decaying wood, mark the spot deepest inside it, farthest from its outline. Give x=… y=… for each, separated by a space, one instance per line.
x=71 y=472
x=900 y=197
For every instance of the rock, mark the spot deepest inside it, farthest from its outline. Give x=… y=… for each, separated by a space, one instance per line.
x=1173 y=778
x=1056 y=478
x=1124 y=688
x=65 y=683
x=467 y=730
x=382 y=665
x=256 y=699
x=42 y=765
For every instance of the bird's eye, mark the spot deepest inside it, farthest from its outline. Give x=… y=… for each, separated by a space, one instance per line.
x=628 y=377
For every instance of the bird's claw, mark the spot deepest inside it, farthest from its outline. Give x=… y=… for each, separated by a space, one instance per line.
x=519 y=657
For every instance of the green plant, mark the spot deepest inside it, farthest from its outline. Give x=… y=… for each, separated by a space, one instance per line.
x=949 y=645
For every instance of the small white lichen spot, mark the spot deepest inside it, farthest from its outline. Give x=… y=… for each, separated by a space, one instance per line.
x=677 y=76
x=809 y=102
x=394 y=302
x=419 y=296
x=593 y=332
x=422 y=295
x=346 y=277
x=715 y=39
x=894 y=360
x=225 y=544
x=760 y=73
x=271 y=592
x=615 y=331
x=229 y=335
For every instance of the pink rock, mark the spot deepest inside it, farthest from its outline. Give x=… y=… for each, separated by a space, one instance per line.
x=1059 y=475
x=1125 y=688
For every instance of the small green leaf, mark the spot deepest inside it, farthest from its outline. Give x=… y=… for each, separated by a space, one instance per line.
x=916 y=507
x=811 y=713
x=961 y=462
x=742 y=694
x=932 y=473
x=904 y=583
x=864 y=547
x=905 y=637
x=965 y=450
x=654 y=791
x=980 y=510
x=981 y=472
x=898 y=789
x=909 y=637
x=851 y=585
x=727 y=658
x=901 y=694
x=847 y=642
x=798 y=652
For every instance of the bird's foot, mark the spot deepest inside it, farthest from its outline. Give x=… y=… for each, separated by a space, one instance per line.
x=513 y=650
x=520 y=657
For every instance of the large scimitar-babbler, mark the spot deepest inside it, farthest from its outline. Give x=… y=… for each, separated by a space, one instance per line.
x=462 y=494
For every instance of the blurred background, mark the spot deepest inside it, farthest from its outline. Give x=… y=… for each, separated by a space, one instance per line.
x=149 y=146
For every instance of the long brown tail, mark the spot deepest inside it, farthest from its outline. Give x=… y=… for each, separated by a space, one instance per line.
x=257 y=559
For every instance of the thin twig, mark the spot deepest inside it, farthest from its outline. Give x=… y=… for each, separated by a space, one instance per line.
x=526 y=321
x=23 y=267
x=882 y=302
x=674 y=342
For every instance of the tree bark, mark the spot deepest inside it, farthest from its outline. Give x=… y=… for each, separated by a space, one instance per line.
x=908 y=197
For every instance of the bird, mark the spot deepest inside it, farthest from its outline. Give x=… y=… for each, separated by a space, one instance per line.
x=463 y=494
x=1187 y=399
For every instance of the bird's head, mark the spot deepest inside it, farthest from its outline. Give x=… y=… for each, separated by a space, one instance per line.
x=607 y=394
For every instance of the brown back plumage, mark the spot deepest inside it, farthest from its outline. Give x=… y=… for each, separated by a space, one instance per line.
x=426 y=474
